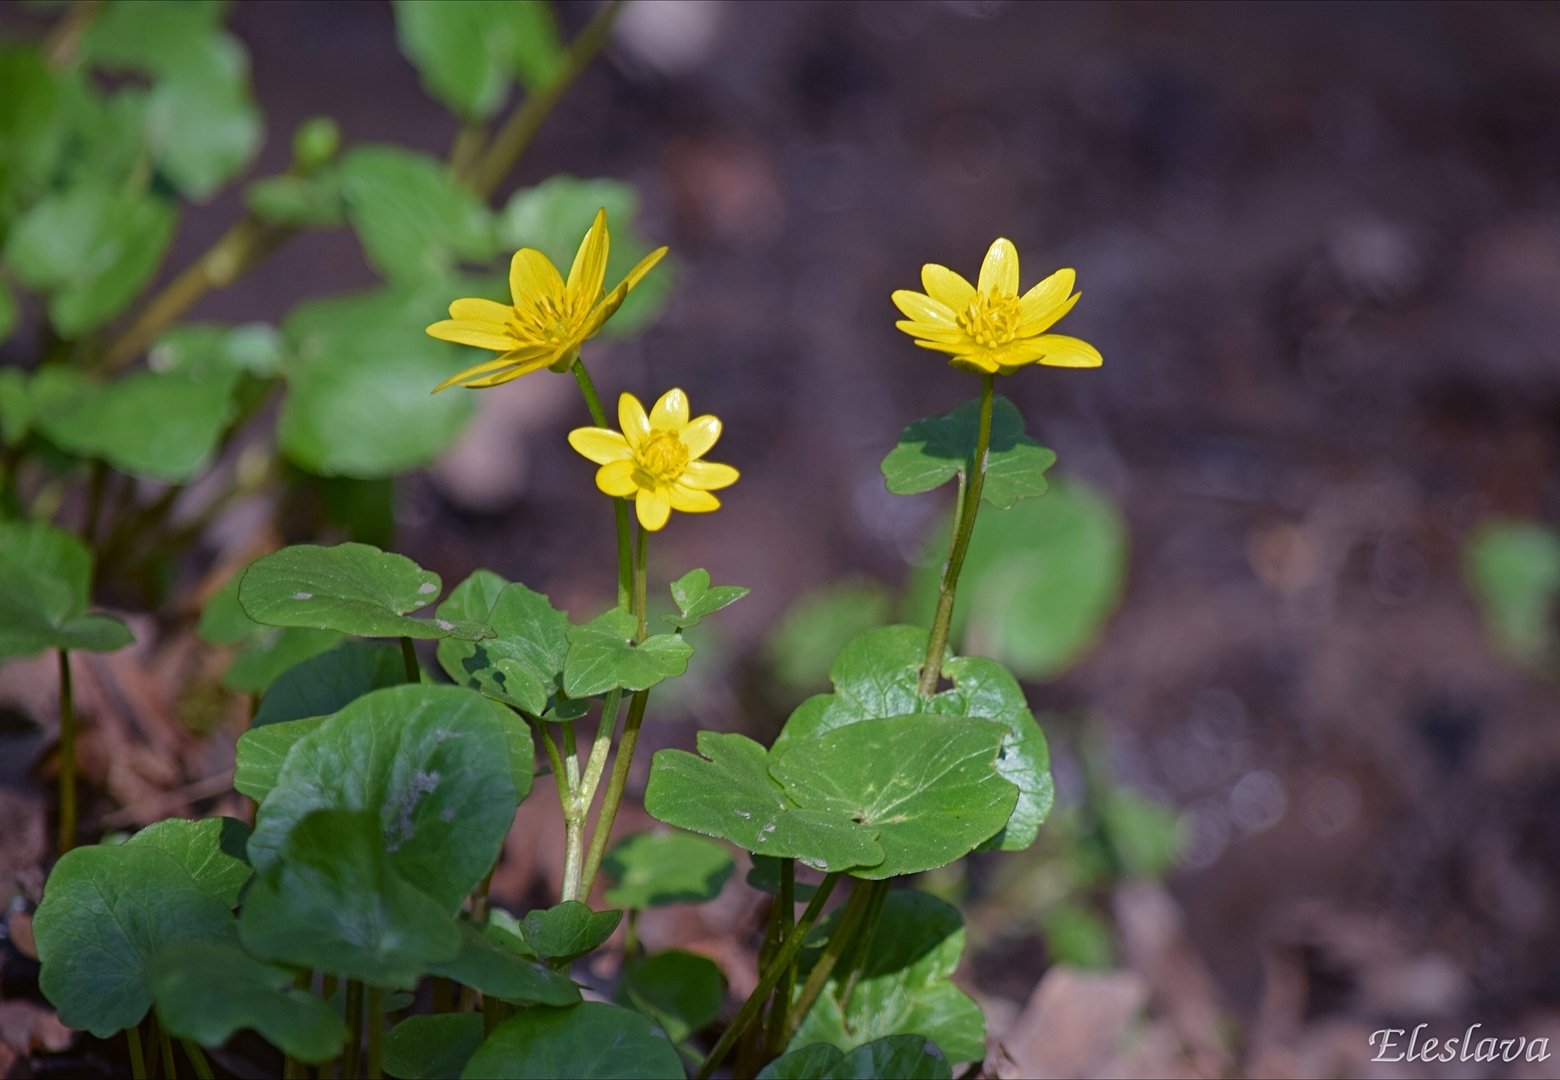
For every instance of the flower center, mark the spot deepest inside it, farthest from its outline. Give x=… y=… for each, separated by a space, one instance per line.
x=546 y=321
x=662 y=458
x=990 y=320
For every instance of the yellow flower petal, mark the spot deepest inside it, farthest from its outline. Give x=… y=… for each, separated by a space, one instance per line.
x=616 y=478
x=523 y=361
x=1046 y=319
x=700 y=435
x=671 y=412
x=601 y=445
x=533 y=277
x=999 y=271
x=481 y=334
x=949 y=346
x=590 y=264
x=643 y=267
x=1063 y=351
x=946 y=287
x=924 y=309
x=692 y=501
x=508 y=376
x=653 y=508
x=1044 y=298
x=708 y=476
x=472 y=309
x=633 y=421
x=931 y=333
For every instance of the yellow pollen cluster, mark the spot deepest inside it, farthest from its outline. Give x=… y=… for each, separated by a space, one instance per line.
x=990 y=320
x=662 y=458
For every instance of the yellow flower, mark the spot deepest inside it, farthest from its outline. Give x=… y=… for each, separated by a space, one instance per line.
x=656 y=458
x=549 y=319
x=991 y=328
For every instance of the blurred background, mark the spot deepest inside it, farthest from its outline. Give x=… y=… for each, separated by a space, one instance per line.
x=1300 y=689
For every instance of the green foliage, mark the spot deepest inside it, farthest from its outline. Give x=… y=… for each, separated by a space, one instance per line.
x=414 y=220
x=298 y=201
x=660 y=868
x=261 y=752
x=677 y=991
x=210 y=850
x=696 y=600
x=904 y=1057
x=327 y=683
x=45 y=584
x=432 y=1047
x=935 y=450
x=590 y=1041
x=498 y=964
x=1513 y=569
x=200 y=350
x=1076 y=936
x=814 y=630
x=468 y=54
x=349 y=588
x=1040 y=580
x=29 y=125
x=522 y=663
x=567 y=931
x=603 y=655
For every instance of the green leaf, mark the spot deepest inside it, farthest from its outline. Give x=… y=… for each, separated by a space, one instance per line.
x=211 y=851
x=350 y=588
x=553 y=217
x=91 y=247
x=154 y=37
x=905 y=987
x=493 y=963
x=298 y=201
x=697 y=600
x=567 y=931
x=729 y=793
x=206 y=991
x=879 y=674
x=904 y=1057
x=7 y=317
x=31 y=128
x=274 y=650
x=764 y=875
x=44 y=578
x=934 y=450
x=329 y=896
x=106 y=912
x=677 y=991
x=1039 y=581
x=432 y=1047
x=661 y=868
x=154 y=425
x=522 y=748
x=522 y=663
x=329 y=682
x=590 y=1041
x=202 y=125
x=261 y=752
x=468 y=53
x=428 y=763
x=1513 y=569
x=814 y=630
x=1076 y=936
x=603 y=656
x=928 y=785
x=201 y=349
x=414 y=220
x=359 y=369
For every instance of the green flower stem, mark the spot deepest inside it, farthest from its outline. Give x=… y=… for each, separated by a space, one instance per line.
x=409 y=659
x=352 y=1062
x=67 y=757
x=137 y=1055
x=771 y=977
x=376 y=1028
x=963 y=529
x=197 y=1058
x=606 y=727
x=840 y=939
x=169 y=1068
x=598 y=417
x=515 y=136
x=641 y=586
x=780 y=1011
x=878 y=896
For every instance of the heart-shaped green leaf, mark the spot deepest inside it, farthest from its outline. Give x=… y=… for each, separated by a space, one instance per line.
x=729 y=793
x=522 y=663
x=603 y=656
x=905 y=986
x=934 y=450
x=413 y=218
x=45 y=574
x=590 y=1041
x=432 y=1047
x=567 y=931
x=904 y=1057
x=329 y=682
x=105 y=914
x=211 y=851
x=660 y=868
x=468 y=54
x=677 y=991
x=697 y=599
x=331 y=898
x=878 y=675
x=206 y=991
x=350 y=588
x=493 y=962
x=261 y=752
x=928 y=784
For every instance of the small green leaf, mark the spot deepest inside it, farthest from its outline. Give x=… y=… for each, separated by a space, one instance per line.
x=202 y=124
x=522 y=663
x=106 y=912
x=45 y=575
x=697 y=600
x=31 y=127
x=154 y=37
x=350 y=588
x=1513 y=569
x=590 y=1041
x=211 y=851
x=928 y=785
x=432 y=1047
x=491 y=962
x=677 y=991
x=428 y=763
x=298 y=201
x=202 y=349
x=206 y=991
x=603 y=656
x=7 y=316
x=468 y=53
x=934 y=450
x=660 y=868
x=329 y=682
x=414 y=220
x=904 y=1057
x=273 y=651
x=729 y=793
x=1076 y=936
x=329 y=897
x=567 y=931
x=261 y=752
x=905 y=986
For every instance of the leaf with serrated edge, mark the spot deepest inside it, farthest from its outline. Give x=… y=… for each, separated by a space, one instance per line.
x=522 y=663
x=697 y=599
x=603 y=656
x=935 y=449
x=656 y=869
